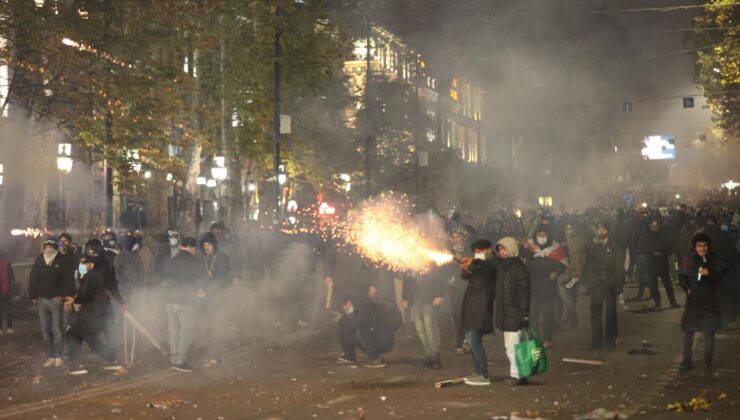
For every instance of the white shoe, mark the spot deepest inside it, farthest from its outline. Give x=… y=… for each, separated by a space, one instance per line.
x=58 y=362
x=9 y=331
x=79 y=371
x=49 y=362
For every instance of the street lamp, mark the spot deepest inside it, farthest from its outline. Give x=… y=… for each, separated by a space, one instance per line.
x=211 y=183
x=64 y=164
x=2 y=170
x=201 y=180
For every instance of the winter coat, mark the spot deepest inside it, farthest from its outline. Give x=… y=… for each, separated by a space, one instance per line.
x=604 y=265
x=513 y=292
x=350 y=274
x=184 y=278
x=702 y=309
x=477 y=307
x=218 y=265
x=129 y=269
x=7 y=277
x=542 y=261
x=422 y=289
x=50 y=281
x=91 y=295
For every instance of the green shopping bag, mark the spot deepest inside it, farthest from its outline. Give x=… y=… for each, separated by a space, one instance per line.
x=530 y=354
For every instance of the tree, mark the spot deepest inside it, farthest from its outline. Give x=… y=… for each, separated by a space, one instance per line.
x=718 y=62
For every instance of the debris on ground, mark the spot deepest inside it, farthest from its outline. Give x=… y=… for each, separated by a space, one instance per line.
x=584 y=361
x=602 y=414
x=116 y=411
x=526 y=414
x=641 y=352
x=698 y=403
x=165 y=404
x=36 y=379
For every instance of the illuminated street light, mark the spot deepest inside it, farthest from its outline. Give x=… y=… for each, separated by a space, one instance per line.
x=211 y=183
x=644 y=205
x=201 y=180
x=147 y=175
x=251 y=187
x=219 y=173
x=292 y=206
x=731 y=185
x=2 y=171
x=678 y=196
x=64 y=164
x=282 y=178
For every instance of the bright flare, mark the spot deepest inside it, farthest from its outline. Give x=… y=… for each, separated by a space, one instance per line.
x=383 y=232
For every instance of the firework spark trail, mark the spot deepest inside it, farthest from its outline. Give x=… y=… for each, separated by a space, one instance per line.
x=383 y=231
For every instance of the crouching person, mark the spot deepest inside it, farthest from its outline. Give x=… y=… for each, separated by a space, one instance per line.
x=92 y=303
x=368 y=326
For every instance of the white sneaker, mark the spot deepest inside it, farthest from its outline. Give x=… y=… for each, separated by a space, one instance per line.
x=9 y=331
x=49 y=362
x=58 y=362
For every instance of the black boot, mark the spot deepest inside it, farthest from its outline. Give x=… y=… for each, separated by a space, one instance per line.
x=685 y=365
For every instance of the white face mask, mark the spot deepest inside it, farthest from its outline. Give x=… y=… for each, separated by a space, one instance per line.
x=174 y=242
x=350 y=310
x=135 y=247
x=541 y=241
x=480 y=256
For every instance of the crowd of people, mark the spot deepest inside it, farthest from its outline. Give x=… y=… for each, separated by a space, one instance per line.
x=521 y=269
x=514 y=270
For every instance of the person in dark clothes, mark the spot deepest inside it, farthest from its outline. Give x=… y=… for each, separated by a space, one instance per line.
x=7 y=285
x=50 y=285
x=604 y=280
x=183 y=290
x=700 y=277
x=368 y=326
x=477 y=307
x=513 y=294
x=423 y=292
x=216 y=268
x=658 y=249
x=93 y=304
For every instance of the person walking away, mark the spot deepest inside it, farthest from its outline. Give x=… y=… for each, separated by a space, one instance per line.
x=92 y=300
x=183 y=289
x=477 y=308
x=604 y=280
x=50 y=285
x=512 y=300
x=547 y=261
x=7 y=286
x=700 y=277
x=423 y=292
x=657 y=251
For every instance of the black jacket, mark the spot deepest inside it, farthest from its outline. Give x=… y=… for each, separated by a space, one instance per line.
x=184 y=278
x=50 y=281
x=702 y=309
x=604 y=264
x=513 y=292
x=424 y=288
x=92 y=296
x=477 y=307
x=218 y=264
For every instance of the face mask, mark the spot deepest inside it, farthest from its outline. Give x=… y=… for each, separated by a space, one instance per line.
x=50 y=253
x=174 y=242
x=111 y=244
x=541 y=241
x=480 y=256
x=350 y=310
x=135 y=247
x=82 y=269
x=725 y=228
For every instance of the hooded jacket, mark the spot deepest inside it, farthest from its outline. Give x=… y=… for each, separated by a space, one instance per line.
x=52 y=280
x=217 y=263
x=513 y=289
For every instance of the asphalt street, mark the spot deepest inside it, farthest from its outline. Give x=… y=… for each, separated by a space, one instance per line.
x=294 y=374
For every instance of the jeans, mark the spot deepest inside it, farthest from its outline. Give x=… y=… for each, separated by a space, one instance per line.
x=88 y=330
x=475 y=341
x=603 y=315
x=659 y=268
x=50 y=316
x=426 y=320
x=688 y=346
x=642 y=274
x=511 y=338
x=372 y=343
x=180 y=326
x=457 y=295
x=570 y=299
x=6 y=310
x=542 y=314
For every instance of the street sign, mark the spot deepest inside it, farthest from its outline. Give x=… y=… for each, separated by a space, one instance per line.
x=688 y=102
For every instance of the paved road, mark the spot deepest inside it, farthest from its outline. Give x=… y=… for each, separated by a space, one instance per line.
x=296 y=376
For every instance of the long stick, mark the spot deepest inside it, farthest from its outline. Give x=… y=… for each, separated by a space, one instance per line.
x=137 y=325
x=329 y=293
x=585 y=361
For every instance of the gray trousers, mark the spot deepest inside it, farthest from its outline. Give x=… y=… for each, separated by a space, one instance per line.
x=426 y=320
x=50 y=315
x=180 y=326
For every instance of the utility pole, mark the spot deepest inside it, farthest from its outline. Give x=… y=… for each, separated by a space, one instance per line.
x=276 y=115
x=368 y=119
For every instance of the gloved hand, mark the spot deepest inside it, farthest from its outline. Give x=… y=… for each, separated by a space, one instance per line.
x=524 y=323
